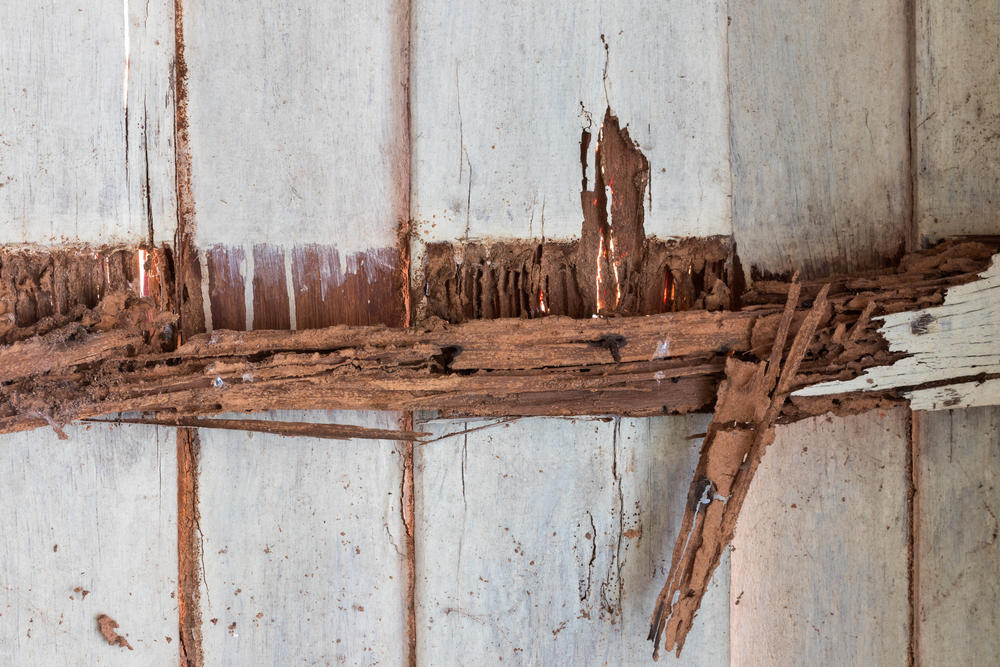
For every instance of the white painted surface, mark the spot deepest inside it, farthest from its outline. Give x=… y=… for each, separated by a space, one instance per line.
x=957 y=118
x=546 y=541
x=303 y=547
x=73 y=164
x=954 y=340
x=819 y=562
x=956 y=396
x=97 y=511
x=957 y=463
x=501 y=93
x=297 y=114
x=820 y=133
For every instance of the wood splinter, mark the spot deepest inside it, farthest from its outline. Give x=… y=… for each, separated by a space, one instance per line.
x=741 y=429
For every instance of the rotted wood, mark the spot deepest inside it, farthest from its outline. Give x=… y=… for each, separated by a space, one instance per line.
x=120 y=356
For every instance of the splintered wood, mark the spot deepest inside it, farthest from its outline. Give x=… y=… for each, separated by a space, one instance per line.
x=741 y=429
x=120 y=356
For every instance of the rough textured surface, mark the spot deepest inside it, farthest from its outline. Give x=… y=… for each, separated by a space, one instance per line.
x=465 y=281
x=89 y=529
x=820 y=134
x=560 y=574
x=750 y=399
x=501 y=96
x=957 y=339
x=304 y=547
x=957 y=466
x=87 y=127
x=524 y=367
x=957 y=118
x=819 y=568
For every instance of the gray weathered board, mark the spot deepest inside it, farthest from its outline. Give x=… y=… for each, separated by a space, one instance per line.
x=86 y=131
x=819 y=562
x=87 y=122
x=956 y=452
x=500 y=98
x=546 y=541
x=304 y=546
x=957 y=471
x=89 y=527
x=298 y=153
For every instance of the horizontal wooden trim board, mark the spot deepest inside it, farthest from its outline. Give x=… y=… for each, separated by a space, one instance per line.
x=118 y=356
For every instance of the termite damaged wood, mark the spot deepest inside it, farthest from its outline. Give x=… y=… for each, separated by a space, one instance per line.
x=636 y=366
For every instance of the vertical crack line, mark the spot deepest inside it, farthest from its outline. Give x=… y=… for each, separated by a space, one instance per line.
x=465 y=461
x=912 y=437
x=729 y=122
x=619 y=559
x=911 y=239
x=128 y=46
x=468 y=199
x=408 y=510
x=190 y=548
x=461 y=135
x=593 y=555
x=148 y=193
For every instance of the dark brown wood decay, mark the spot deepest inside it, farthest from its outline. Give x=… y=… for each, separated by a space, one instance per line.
x=474 y=281
x=636 y=366
x=43 y=289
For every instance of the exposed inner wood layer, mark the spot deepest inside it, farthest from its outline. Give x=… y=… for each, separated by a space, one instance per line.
x=637 y=366
x=528 y=280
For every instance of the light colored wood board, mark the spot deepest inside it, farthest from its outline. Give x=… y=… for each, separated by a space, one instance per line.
x=99 y=512
x=75 y=137
x=819 y=562
x=297 y=120
x=820 y=137
x=954 y=340
x=304 y=547
x=956 y=396
x=957 y=463
x=546 y=541
x=501 y=94
x=957 y=118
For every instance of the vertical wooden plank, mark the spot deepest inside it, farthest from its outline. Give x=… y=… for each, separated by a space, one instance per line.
x=303 y=546
x=298 y=156
x=819 y=563
x=957 y=462
x=502 y=95
x=298 y=143
x=544 y=541
x=957 y=118
x=87 y=128
x=820 y=103
x=89 y=529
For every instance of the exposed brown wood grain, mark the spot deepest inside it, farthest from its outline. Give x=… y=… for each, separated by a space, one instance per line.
x=270 y=289
x=529 y=280
x=369 y=291
x=290 y=429
x=638 y=366
x=226 y=287
x=188 y=548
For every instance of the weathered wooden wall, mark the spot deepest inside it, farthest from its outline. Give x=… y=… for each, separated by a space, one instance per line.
x=298 y=161
x=820 y=138
x=543 y=541
x=955 y=452
x=87 y=122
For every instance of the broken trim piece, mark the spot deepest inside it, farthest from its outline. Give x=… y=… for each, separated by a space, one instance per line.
x=288 y=429
x=743 y=426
